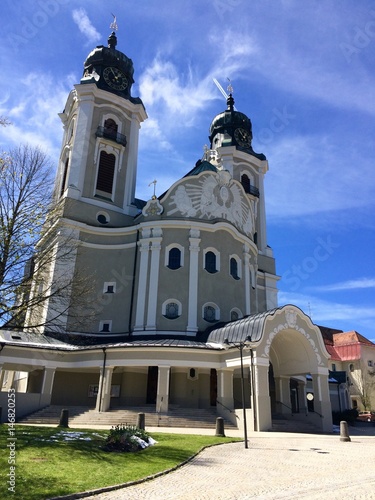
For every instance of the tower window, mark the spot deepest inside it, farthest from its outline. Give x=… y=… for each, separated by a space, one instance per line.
x=174 y=258
x=245 y=181
x=110 y=128
x=106 y=172
x=210 y=262
x=65 y=174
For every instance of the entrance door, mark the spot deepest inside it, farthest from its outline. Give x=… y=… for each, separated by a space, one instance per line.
x=213 y=387
x=294 y=395
x=152 y=384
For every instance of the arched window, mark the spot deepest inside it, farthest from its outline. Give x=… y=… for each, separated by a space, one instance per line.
x=106 y=173
x=210 y=262
x=110 y=128
x=233 y=315
x=174 y=258
x=245 y=181
x=171 y=309
x=234 y=268
x=211 y=313
x=65 y=174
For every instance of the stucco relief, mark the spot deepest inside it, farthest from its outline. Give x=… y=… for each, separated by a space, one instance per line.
x=214 y=196
x=291 y=323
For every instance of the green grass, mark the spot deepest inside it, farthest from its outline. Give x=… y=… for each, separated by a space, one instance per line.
x=49 y=465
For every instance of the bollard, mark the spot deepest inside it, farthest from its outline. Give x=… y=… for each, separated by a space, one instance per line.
x=220 y=427
x=344 y=433
x=64 y=418
x=141 y=421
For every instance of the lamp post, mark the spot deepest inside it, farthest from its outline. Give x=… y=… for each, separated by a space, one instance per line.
x=241 y=346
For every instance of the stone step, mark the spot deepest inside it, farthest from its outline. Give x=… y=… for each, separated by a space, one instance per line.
x=176 y=417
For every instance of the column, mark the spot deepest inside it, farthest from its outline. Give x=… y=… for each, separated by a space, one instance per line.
x=262 y=233
x=246 y=259
x=9 y=378
x=82 y=142
x=322 y=402
x=262 y=398
x=154 y=278
x=282 y=389
x=162 y=398
x=302 y=397
x=194 y=241
x=144 y=247
x=225 y=388
x=47 y=386
x=2 y=373
x=103 y=399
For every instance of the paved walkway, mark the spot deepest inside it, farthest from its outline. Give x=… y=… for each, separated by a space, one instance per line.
x=275 y=466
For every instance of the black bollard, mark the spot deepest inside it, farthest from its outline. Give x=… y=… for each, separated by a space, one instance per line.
x=64 y=418
x=141 y=421
x=344 y=433
x=220 y=427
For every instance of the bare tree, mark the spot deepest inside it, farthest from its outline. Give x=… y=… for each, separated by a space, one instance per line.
x=36 y=251
x=4 y=121
x=363 y=380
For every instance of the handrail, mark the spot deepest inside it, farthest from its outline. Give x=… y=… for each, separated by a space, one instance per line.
x=286 y=406
x=313 y=411
x=111 y=135
x=231 y=411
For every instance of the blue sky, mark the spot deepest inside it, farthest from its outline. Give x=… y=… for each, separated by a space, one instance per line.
x=302 y=71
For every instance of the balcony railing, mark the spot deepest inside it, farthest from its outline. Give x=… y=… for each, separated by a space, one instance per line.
x=249 y=189
x=111 y=135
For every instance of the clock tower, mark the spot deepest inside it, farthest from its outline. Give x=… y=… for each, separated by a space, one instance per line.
x=98 y=163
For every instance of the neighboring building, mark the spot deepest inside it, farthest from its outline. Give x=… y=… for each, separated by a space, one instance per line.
x=184 y=285
x=353 y=355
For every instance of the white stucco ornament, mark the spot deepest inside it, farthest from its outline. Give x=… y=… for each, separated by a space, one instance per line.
x=214 y=196
x=291 y=323
x=152 y=207
x=291 y=317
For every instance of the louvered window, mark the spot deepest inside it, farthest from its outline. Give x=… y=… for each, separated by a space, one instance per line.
x=106 y=172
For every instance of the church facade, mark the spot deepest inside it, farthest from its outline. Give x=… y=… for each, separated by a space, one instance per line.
x=182 y=305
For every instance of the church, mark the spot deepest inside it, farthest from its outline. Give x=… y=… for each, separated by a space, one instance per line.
x=182 y=307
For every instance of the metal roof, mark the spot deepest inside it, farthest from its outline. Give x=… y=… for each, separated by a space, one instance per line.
x=237 y=331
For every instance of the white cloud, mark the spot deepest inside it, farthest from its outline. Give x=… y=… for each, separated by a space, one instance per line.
x=358 y=284
x=34 y=112
x=304 y=178
x=323 y=311
x=85 y=26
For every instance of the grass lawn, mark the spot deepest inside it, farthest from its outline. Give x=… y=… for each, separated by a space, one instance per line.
x=52 y=461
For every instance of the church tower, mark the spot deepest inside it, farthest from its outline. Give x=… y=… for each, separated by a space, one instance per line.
x=98 y=163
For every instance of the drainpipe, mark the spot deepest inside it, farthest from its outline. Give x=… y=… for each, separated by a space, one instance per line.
x=102 y=381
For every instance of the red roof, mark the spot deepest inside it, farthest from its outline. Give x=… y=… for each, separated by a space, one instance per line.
x=345 y=346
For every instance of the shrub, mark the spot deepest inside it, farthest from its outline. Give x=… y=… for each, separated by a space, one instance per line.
x=123 y=438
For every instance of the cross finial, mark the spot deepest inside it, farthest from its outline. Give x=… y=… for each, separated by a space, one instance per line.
x=113 y=24
x=230 y=88
x=154 y=183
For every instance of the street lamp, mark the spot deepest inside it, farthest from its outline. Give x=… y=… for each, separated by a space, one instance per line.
x=245 y=344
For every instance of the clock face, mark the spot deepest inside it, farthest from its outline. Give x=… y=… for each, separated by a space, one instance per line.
x=242 y=137
x=115 y=78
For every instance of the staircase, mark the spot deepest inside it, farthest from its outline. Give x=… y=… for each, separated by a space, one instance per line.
x=282 y=424
x=82 y=415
